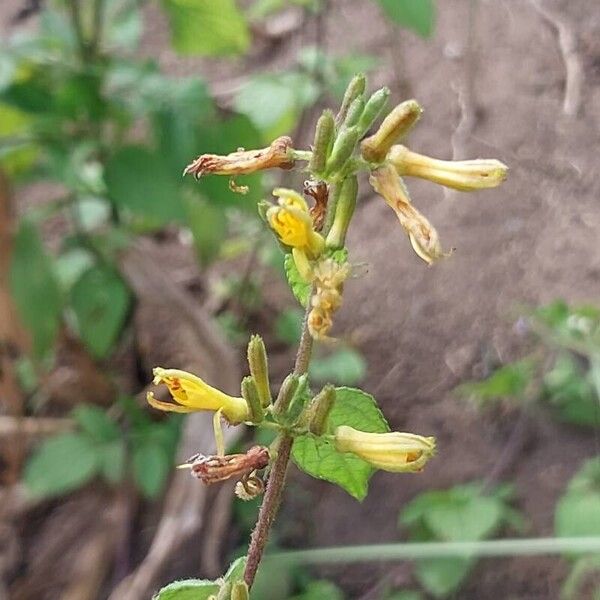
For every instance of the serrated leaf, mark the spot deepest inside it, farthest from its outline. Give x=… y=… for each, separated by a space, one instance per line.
x=319 y=458
x=141 y=181
x=35 y=288
x=188 y=589
x=417 y=15
x=207 y=27
x=150 y=468
x=100 y=301
x=299 y=287
x=61 y=464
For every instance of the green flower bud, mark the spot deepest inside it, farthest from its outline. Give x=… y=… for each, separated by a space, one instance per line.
x=355 y=88
x=320 y=410
x=343 y=147
x=250 y=394
x=344 y=211
x=291 y=400
x=354 y=112
x=298 y=402
x=324 y=133
x=285 y=396
x=373 y=108
x=240 y=591
x=394 y=126
x=259 y=368
x=334 y=195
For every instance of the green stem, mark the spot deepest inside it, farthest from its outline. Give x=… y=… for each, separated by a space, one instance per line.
x=276 y=483
x=429 y=550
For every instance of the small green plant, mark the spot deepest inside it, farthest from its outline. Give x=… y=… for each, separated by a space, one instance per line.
x=338 y=434
x=561 y=375
x=460 y=514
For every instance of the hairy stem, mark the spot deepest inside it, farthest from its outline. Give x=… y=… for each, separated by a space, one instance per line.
x=276 y=483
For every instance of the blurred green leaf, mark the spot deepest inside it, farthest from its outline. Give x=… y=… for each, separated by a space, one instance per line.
x=288 y=326
x=207 y=27
x=320 y=590
x=112 y=461
x=343 y=367
x=94 y=421
x=208 y=224
x=151 y=467
x=188 y=589
x=61 y=464
x=318 y=457
x=71 y=265
x=442 y=576
x=123 y=23
x=509 y=381
x=35 y=288
x=142 y=182
x=404 y=595
x=17 y=152
x=417 y=15
x=100 y=301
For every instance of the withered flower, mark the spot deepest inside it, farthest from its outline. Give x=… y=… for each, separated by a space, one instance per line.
x=243 y=162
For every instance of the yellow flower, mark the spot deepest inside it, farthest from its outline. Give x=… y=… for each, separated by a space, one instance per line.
x=190 y=394
x=462 y=175
x=395 y=452
x=293 y=224
x=422 y=235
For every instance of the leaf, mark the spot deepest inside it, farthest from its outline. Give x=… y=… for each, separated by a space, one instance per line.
x=300 y=288
x=112 y=461
x=95 y=422
x=100 y=301
x=418 y=15
x=208 y=224
x=318 y=457
x=61 y=464
x=578 y=510
x=442 y=576
x=207 y=27
x=34 y=287
x=236 y=569
x=344 y=367
x=18 y=157
x=150 y=468
x=288 y=326
x=509 y=381
x=141 y=181
x=320 y=590
x=188 y=589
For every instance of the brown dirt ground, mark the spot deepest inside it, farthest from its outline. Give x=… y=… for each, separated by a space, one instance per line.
x=535 y=239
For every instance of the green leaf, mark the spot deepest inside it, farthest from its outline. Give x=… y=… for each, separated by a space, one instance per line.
x=207 y=27
x=318 y=457
x=112 y=461
x=15 y=158
x=300 y=288
x=208 y=224
x=61 y=464
x=141 y=181
x=236 y=569
x=151 y=466
x=442 y=576
x=34 y=287
x=96 y=423
x=344 y=367
x=320 y=590
x=100 y=301
x=578 y=510
x=509 y=381
x=288 y=327
x=418 y=15
x=188 y=589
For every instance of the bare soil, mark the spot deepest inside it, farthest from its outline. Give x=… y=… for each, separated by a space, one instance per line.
x=424 y=330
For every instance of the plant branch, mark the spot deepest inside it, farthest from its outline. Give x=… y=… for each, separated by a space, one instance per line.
x=276 y=483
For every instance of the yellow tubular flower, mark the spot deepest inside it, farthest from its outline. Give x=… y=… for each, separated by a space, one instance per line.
x=191 y=394
x=423 y=237
x=395 y=452
x=293 y=224
x=462 y=175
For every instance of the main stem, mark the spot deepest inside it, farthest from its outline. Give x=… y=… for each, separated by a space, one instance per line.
x=276 y=483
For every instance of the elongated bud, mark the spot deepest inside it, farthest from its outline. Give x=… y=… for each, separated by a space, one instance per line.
x=462 y=175
x=344 y=210
x=354 y=112
x=259 y=368
x=334 y=194
x=324 y=133
x=320 y=410
x=291 y=400
x=355 y=88
x=298 y=402
x=240 y=591
x=373 y=108
x=395 y=452
x=343 y=147
x=250 y=394
x=285 y=396
x=394 y=126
